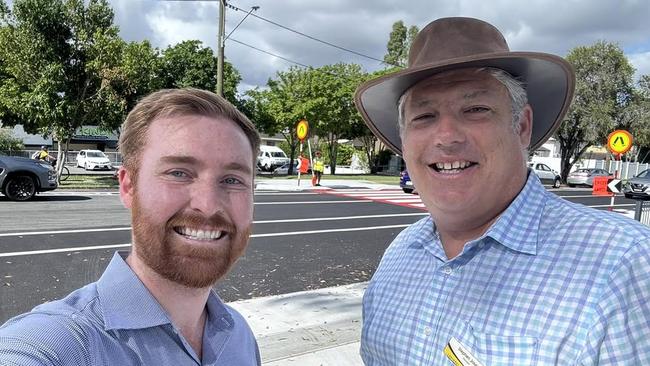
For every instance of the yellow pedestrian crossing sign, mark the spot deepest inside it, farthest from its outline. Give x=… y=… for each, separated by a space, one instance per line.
x=302 y=129
x=619 y=142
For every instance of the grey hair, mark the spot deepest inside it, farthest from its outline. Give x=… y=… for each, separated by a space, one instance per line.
x=515 y=87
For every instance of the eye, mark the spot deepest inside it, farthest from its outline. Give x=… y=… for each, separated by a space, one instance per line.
x=178 y=174
x=232 y=180
x=477 y=109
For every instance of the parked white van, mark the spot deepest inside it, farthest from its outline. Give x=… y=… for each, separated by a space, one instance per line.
x=271 y=157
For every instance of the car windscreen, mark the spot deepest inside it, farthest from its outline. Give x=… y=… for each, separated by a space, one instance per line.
x=95 y=154
x=278 y=154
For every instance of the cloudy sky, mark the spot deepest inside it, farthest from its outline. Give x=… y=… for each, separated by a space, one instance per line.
x=554 y=26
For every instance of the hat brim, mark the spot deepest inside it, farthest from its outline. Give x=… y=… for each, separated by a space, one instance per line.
x=549 y=81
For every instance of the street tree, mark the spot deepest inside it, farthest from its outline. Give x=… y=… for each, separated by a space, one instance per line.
x=604 y=89
x=399 y=44
x=190 y=64
x=55 y=57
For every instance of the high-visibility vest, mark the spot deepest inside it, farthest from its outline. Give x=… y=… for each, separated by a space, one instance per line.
x=319 y=166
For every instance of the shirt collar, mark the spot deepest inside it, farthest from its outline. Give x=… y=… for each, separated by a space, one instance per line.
x=517 y=228
x=126 y=302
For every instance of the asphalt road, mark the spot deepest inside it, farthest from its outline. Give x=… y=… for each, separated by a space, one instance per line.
x=301 y=240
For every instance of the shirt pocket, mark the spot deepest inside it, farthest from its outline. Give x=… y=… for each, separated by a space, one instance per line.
x=499 y=349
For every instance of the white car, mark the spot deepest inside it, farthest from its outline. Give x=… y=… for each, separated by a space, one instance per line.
x=546 y=174
x=93 y=160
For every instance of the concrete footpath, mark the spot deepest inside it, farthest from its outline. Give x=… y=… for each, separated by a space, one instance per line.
x=318 y=327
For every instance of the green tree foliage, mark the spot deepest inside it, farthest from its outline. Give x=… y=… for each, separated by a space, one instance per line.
x=399 y=44
x=604 y=89
x=190 y=64
x=8 y=142
x=57 y=58
x=638 y=116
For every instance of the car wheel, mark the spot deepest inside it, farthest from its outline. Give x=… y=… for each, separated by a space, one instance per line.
x=556 y=183
x=20 y=188
x=407 y=190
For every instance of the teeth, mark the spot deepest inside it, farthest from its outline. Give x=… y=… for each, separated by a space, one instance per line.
x=452 y=167
x=200 y=234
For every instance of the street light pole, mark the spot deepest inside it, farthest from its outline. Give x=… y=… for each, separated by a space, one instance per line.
x=221 y=41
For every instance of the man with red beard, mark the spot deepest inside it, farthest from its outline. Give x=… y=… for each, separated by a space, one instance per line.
x=188 y=178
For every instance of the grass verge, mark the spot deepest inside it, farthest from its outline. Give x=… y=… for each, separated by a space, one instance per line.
x=89 y=182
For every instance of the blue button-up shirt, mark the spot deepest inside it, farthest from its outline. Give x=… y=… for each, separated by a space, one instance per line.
x=116 y=321
x=550 y=283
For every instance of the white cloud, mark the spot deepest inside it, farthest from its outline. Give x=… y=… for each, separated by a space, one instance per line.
x=554 y=26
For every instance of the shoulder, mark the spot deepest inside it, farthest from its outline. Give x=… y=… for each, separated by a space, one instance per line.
x=54 y=333
x=44 y=338
x=579 y=223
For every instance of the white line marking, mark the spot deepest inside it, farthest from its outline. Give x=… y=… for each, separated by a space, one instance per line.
x=406 y=200
x=62 y=250
x=311 y=202
x=80 y=249
x=67 y=231
x=126 y=228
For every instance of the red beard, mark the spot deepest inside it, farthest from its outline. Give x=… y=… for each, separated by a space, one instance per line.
x=162 y=250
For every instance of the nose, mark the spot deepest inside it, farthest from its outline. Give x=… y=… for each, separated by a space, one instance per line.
x=448 y=132
x=208 y=198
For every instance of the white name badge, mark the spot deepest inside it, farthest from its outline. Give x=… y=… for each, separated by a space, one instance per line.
x=460 y=355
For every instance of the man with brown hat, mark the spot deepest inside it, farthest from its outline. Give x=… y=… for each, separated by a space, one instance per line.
x=502 y=272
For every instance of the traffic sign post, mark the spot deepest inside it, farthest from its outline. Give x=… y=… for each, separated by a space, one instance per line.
x=618 y=142
x=302 y=129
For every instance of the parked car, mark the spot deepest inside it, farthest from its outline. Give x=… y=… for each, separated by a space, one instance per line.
x=271 y=157
x=585 y=176
x=638 y=187
x=546 y=174
x=22 y=178
x=284 y=169
x=93 y=160
x=405 y=182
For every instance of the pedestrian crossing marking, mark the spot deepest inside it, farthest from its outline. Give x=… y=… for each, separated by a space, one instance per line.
x=390 y=196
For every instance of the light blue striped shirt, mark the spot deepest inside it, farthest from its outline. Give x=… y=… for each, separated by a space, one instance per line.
x=116 y=321
x=550 y=283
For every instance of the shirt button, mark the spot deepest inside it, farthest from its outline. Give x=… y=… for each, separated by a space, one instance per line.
x=446 y=270
x=427 y=331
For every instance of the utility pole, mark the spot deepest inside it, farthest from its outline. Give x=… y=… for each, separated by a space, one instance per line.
x=220 y=44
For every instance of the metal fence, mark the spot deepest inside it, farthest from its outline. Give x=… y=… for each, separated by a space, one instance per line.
x=642 y=212
x=71 y=157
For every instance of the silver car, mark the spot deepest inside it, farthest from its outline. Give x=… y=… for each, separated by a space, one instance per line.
x=639 y=186
x=585 y=176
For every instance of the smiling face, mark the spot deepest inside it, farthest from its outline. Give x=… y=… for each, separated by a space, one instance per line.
x=461 y=150
x=192 y=200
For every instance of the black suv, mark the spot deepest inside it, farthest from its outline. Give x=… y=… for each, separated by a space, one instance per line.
x=21 y=178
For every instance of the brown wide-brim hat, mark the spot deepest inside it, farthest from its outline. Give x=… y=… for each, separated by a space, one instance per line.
x=454 y=43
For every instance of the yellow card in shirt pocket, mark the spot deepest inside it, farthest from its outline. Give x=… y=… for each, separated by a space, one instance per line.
x=504 y=348
x=459 y=355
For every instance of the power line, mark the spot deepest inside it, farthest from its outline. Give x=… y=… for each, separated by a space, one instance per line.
x=314 y=38
x=284 y=58
x=268 y=53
